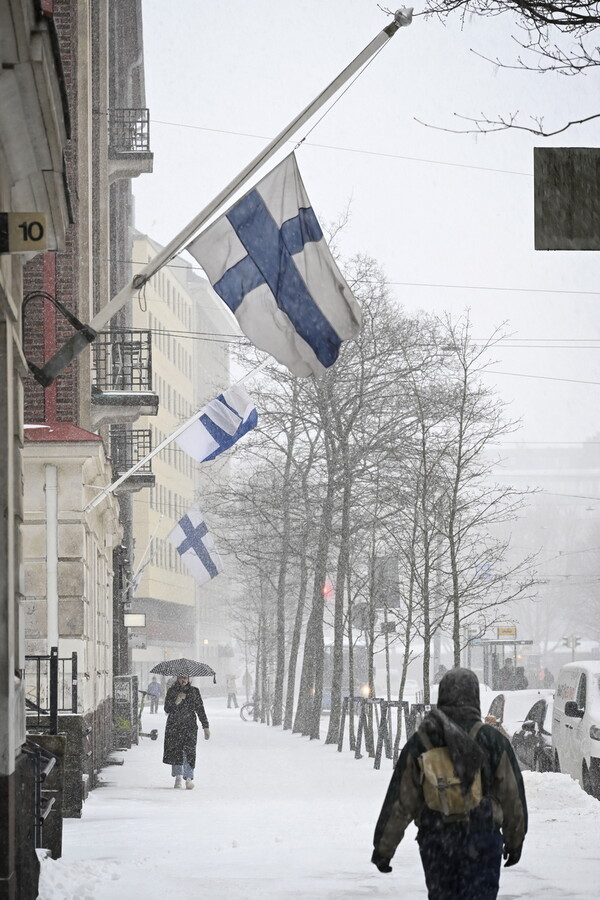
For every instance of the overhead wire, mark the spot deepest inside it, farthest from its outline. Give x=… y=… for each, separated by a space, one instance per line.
x=419 y=159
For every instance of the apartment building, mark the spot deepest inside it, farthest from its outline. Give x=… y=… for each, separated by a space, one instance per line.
x=191 y=334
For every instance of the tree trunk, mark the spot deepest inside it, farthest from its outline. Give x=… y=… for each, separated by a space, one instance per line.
x=283 y=567
x=338 y=621
x=308 y=715
x=295 y=644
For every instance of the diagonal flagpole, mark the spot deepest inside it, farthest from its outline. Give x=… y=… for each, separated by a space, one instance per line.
x=165 y=443
x=83 y=337
x=144 y=562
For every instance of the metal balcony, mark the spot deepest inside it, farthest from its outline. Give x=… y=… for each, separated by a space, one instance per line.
x=128 y=447
x=129 y=130
x=129 y=143
x=122 y=360
x=122 y=376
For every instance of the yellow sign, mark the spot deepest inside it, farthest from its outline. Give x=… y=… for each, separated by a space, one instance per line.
x=22 y=232
x=507 y=631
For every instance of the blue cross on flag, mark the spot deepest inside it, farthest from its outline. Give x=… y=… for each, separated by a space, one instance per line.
x=194 y=543
x=220 y=424
x=266 y=257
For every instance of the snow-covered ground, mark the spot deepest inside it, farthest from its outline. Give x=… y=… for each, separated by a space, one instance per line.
x=277 y=816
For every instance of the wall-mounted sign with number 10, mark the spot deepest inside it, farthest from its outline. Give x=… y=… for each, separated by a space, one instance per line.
x=22 y=232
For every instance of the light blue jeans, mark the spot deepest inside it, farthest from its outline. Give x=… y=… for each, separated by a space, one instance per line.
x=185 y=770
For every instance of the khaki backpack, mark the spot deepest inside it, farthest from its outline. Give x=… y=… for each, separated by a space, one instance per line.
x=441 y=785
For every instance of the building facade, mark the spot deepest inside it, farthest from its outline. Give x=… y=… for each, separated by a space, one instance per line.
x=34 y=130
x=74 y=132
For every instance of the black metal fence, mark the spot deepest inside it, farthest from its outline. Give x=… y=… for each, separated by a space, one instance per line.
x=129 y=130
x=51 y=688
x=123 y=360
x=43 y=763
x=380 y=726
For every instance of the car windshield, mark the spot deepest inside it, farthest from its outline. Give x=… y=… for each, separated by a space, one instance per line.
x=537 y=712
x=517 y=706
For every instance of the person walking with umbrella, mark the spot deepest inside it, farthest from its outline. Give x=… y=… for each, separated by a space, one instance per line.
x=183 y=706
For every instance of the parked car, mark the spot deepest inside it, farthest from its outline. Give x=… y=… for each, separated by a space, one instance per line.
x=509 y=710
x=576 y=724
x=532 y=742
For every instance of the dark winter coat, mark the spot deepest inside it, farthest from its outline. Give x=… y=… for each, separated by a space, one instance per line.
x=501 y=817
x=181 y=732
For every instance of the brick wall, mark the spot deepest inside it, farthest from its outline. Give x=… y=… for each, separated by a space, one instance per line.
x=46 y=330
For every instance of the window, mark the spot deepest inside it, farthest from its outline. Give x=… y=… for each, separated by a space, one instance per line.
x=581 y=692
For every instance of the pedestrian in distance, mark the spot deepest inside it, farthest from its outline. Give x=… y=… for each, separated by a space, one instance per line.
x=231 y=692
x=153 y=692
x=507 y=676
x=184 y=706
x=441 y=671
x=459 y=781
x=521 y=682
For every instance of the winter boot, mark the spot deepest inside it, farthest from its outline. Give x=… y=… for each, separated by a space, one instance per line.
x=178 y=781
x=189 y=783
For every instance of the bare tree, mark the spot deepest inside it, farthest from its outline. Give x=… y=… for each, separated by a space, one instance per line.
x=553 y=35
x=471 y=504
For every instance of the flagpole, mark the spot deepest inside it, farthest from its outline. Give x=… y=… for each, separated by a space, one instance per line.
x=143 y=562
x=81 y=339
x=142 y=462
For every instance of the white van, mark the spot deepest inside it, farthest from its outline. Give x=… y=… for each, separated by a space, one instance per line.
x=576 y=724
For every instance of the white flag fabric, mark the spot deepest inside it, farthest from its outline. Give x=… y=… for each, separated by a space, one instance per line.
x=220 y=424
x=266 y=257
x=194 y=543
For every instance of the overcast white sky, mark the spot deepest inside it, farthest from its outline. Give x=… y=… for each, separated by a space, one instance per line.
x=448 y=217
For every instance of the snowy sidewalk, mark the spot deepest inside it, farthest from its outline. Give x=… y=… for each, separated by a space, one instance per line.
x=277 y=816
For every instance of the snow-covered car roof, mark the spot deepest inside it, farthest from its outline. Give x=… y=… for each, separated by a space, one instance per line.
x=513 y=712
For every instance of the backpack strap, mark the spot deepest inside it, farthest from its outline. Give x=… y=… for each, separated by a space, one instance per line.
x=424 y=739
x=475 y=729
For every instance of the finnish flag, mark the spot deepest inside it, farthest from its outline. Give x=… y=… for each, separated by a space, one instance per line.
x=196 y=547
x=220 y=424
x=266 y=257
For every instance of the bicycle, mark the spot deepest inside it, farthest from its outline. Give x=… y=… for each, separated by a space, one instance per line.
x=248 y=714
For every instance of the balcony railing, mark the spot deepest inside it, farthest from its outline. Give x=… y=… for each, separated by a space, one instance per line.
x=129 y=130
x=128 y=447
x=123 y=361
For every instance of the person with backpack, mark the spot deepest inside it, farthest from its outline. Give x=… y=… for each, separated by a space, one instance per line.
x=459 y=781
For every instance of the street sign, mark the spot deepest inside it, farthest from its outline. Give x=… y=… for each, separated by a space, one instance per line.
x=134 y=620
x=506 y=631
x=22 y=232
x=566 y=198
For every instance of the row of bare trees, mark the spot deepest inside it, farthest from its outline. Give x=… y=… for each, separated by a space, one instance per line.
x=383 y=458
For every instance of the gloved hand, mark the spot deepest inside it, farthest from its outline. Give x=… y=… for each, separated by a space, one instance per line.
x=206 y=733
x=512 y=857
x=180 y=698
x=382 y=863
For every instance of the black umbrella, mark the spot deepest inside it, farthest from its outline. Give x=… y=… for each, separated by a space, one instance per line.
x=188 y=667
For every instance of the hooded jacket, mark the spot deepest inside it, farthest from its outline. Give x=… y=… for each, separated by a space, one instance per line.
x=457 y=711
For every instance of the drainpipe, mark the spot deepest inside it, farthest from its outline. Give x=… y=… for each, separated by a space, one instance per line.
x=52 y=555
